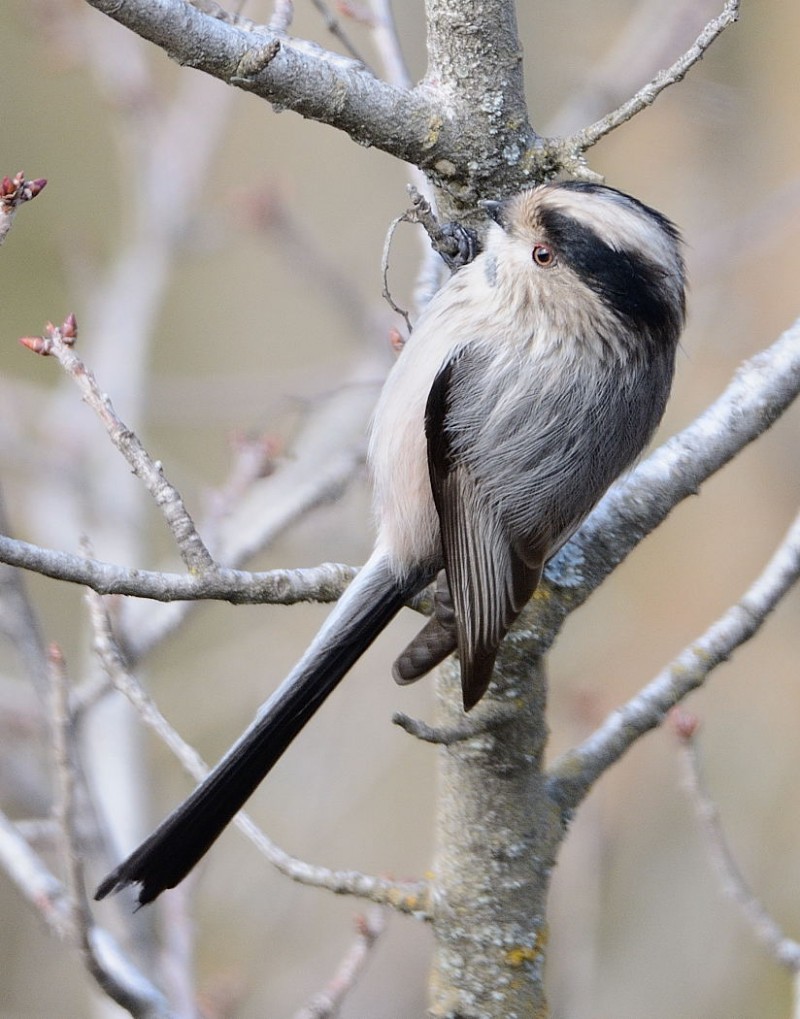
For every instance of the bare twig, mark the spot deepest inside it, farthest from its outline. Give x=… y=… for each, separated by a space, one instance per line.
x=384 y=33
x=120 y=982
x=386 y=292
x=457 y=245
x=282 y=16
x=405 y=897
x=573 y=774
x=336 y=30
x=431 y=271
x=327 y=1003
x=446 y=737
x=51 y=901
x=13 y=193
x=64 y=808
x=653 y=33
x=282 y=587
x=588 y=136
x=782 y=949
x=18 y=619
x=59 y=341
x=326 y=457
x=32 y=878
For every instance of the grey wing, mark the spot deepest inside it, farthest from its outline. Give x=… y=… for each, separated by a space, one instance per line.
x=490 y=573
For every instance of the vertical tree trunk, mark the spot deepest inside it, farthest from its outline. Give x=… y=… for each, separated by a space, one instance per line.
x=475 y=63
x=497 y=831
x=497 y=836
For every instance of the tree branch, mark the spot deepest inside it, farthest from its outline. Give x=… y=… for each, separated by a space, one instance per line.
x=574 y=773
x=584 y=139
x=283 y=587
x=466 y=124
x=327 y=1003
x=132 y=995
x=299 y=76
x=783 y=949
x=652 y=34
x=58 y=342
x=48 y=896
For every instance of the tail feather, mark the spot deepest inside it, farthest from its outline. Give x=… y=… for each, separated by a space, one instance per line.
x=179 y=842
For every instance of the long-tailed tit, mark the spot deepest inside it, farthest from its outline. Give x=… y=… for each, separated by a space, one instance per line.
x=533 y=378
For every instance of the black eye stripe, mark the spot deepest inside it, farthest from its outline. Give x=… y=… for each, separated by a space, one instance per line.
x=627 y=282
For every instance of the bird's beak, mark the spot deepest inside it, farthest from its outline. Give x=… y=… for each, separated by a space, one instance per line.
x=493 y=209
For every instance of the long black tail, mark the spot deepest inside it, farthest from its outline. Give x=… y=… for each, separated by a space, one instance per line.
x=167 y=856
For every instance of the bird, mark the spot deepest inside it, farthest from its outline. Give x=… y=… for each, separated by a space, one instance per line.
x=533 y=378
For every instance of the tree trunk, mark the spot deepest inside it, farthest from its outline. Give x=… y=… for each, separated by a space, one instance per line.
x=497 y=836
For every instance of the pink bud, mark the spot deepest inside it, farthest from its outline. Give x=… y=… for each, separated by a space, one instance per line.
x=69 y=330
x=684 y=724
x=38 y=344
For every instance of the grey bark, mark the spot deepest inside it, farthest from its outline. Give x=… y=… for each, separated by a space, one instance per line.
x=465 y=124
x=497 y=837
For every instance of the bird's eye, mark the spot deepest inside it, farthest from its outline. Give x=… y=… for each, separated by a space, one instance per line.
x=543 y=255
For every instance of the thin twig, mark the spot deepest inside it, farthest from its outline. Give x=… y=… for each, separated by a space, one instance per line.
x=327 y=1003
x=19 y=620
x=386 y=293
x=651 y=35
x=574 y=773
x=387 y=43
x=33 y=879
x=64 y=807
x=59 y=341
x=404 y=896
x=588 y=136
x=784 y=950
x=446 y=737
x=282 y=16
x=457 y=245
x=431 y=272
x=336 y=30
x=326 y=457
x=102 y=959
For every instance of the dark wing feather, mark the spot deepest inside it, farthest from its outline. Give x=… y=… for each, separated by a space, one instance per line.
x=489 y=580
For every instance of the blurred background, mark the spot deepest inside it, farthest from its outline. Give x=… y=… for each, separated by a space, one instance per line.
x=223 y=262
